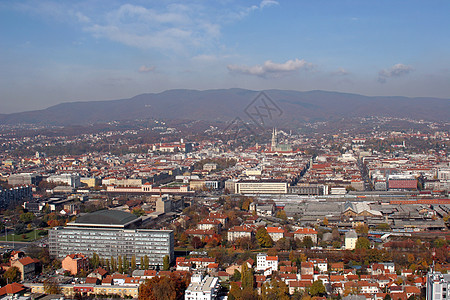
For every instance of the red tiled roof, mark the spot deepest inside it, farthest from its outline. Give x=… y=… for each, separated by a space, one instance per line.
x=149 y=273
x=305 y=231
x=12 y=288
x=275 y=230
x=91 y=280
x=27 y=260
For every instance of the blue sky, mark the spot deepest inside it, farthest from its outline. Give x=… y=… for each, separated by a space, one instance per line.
x=60 y=51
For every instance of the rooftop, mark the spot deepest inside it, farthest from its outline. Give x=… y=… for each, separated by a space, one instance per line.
x=106 y=217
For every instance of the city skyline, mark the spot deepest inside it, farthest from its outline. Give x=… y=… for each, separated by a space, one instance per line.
x=55 y=52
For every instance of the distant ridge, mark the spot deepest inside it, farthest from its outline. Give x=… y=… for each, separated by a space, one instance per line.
x=227 y=104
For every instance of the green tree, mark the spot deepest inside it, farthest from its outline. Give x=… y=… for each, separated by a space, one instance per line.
x=27 y=217
x=138 y=212
x=362 y=243
x=12 y=275
x=317 y=288
x=166 y=263
x=236 y=276
x=263 y=238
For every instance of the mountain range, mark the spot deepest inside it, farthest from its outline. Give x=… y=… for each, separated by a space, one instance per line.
x=228 y=104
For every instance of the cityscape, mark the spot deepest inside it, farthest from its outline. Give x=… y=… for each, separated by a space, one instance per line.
x=213 y=214
x=224 y=150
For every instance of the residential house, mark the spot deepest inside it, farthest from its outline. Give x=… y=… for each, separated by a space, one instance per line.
x=301 y=233
x=74 y=263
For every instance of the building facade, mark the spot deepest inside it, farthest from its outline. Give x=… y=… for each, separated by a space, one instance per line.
x=261 y=187
x=110 y=234
x=438 y=286
x=202 y=288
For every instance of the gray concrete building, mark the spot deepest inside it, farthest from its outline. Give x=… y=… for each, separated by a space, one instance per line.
x=111 y=233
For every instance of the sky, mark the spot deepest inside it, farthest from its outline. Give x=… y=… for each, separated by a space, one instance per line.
x=63 y=51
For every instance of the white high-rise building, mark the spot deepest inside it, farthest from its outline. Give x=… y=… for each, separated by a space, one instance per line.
x=438 y=286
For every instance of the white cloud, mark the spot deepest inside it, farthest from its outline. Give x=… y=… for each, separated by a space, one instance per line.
x=164 y=26
x=340 y=72
x=82 y=18
x=145 y=69
x=397 y=70
x=245 y=11
x=269 y=68
x=267 y=3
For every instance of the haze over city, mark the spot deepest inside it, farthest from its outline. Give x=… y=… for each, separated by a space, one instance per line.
x=60 y=51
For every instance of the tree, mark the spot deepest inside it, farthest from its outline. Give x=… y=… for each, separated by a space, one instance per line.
x=196 y=242
x=142 y=263
x=236 y=276
x=246 y=276
x=146 y=262
x=362 y=243
x=307 y=242
x=164 y=287
x=12 y=275
x=138 y=212
x=317 y=288
x=95 y=261
x=281 y=214
x=133 y=263
x=235 y=292
x=383 y=227
x=263 y=238
x=20 y=228
x=113 y=264
x=325 y=221
x=51 y=286
x=274 y=289
x=335 y=234
x=126 y=264
x=166 y=263
x=120 y=265
x=362 y=229
x=27 y=217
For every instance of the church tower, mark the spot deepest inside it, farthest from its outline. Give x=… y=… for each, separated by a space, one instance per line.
x=274 y=143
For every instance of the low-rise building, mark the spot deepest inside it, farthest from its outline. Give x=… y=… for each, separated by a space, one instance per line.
x=264 y=262
x=202 y=288
x=301 y=233
x=74 y=263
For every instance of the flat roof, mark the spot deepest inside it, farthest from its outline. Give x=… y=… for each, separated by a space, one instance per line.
x=106 y=217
